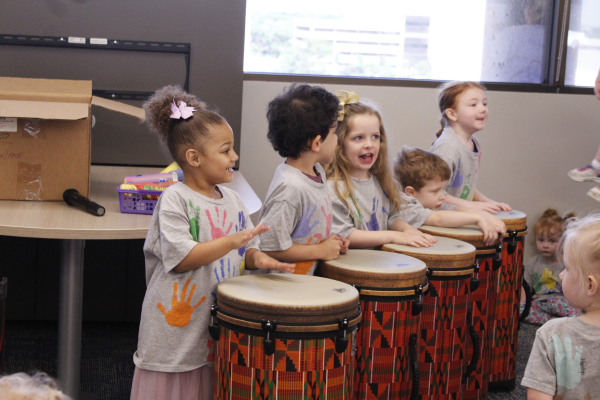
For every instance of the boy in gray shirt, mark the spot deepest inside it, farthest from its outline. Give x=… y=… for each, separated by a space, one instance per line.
x=302 y=125
x=423 y=177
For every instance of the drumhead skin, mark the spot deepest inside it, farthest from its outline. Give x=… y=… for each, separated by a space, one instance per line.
x=287 y=298
x=514 y=220
x=375 y=269
x=445 y=253
x=469 y=233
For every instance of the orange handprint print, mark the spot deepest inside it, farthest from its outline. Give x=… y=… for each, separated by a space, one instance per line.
x=302 y=267
x=181 y=311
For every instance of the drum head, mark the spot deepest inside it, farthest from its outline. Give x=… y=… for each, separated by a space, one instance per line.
x=471 y=234
x=375 y=269
x=514 y=220
x=287 y=298
x=446 y=253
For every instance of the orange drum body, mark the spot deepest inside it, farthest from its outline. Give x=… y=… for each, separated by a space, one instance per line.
x=504 y=354
x=390 y=287
x=482 y=304
x=443 y=362
x=282 y=336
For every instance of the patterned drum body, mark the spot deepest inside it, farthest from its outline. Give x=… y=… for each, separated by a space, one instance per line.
x=389 y=286
x=444 y=323
x=303 y=363
x=506 y=325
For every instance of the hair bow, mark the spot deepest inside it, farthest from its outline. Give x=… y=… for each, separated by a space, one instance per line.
x=183 y=111
x=345 y=98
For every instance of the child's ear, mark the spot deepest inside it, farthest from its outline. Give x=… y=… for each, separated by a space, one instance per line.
x=315 y=144
x=410 y=191
x=592 y=286
x=451 y=114
x=192 y=156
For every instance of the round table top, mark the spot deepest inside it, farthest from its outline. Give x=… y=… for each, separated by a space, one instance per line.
x=57 y=220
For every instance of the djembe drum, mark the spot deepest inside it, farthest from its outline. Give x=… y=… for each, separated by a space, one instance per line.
x=445 y=322
x=284 y=336
x=390 y=287
x=504 y=353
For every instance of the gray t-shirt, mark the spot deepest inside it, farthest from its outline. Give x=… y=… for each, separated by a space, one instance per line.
x=413 y=212
x=463 y=163
x=543 y=277
x=373 y=213
x=564 y=360
x=298 y=210
x=176 y=310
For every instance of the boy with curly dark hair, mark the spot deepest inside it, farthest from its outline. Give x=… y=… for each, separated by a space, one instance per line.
x=302 y=127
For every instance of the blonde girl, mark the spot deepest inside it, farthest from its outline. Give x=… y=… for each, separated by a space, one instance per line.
x=366 y=200
x=200 y=235
x=542 y=271
x=464 y=112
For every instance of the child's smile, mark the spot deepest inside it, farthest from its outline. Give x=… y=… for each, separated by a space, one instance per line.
x=362 y=144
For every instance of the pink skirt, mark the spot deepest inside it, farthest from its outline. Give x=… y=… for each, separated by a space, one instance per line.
x=196 y=384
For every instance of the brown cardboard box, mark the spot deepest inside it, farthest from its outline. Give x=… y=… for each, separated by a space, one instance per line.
x=45 y=141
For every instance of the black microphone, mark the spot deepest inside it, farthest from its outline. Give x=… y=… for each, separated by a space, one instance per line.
x=73 y=198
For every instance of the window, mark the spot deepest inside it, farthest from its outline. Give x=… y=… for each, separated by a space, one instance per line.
x=583 y=43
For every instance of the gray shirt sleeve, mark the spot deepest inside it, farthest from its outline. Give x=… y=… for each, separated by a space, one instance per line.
x=281 y=217
x=341 y=221
x=539 y=373
x=413 y=212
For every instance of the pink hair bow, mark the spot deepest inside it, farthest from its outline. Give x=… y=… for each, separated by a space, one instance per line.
x=182 y=111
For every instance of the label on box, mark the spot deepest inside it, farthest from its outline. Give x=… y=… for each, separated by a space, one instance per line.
x=8 y=124
x=98 y=41
x=77 y=40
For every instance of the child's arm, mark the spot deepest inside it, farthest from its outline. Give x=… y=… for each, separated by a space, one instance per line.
x=207 y=252
x=462 y=217
x=402 y=226
x=329 y=249
x=258 y=260
x=360 y=239
x=478 y=196
x=478 y=203
x=533 y=394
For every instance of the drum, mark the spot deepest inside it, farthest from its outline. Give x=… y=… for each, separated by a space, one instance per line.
x=284 y=336
x=390 y=287
x=482 y=303
x=446 y=317
x=504 y=356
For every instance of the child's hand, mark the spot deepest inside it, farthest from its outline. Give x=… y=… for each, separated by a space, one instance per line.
x=492 y=208
x=410 y=239
x=263 y=261
x=490 y=235
x=331 y=248
x=240 y=239
x=503 y=206
x=345 y=244
x=415 y=232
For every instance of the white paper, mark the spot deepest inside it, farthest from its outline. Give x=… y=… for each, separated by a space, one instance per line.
x=8 y=124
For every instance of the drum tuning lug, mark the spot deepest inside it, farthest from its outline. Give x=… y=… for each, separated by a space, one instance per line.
x=214 y=330
x=476 y=266
x=511 y=247
x=269 y=344
x=341 y=342
x=429 y=272
x=417 y=307
x=474 y=284
x=419 y=289
x=497 y=263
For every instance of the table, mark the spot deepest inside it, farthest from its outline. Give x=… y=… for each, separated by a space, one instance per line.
x=57 y=220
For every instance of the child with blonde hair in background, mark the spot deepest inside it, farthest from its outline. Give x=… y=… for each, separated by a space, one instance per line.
x=564 y=359
x=21 y=386
x=366 y=201
x=542 y=271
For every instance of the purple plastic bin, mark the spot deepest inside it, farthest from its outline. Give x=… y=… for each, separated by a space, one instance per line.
x=133 y=202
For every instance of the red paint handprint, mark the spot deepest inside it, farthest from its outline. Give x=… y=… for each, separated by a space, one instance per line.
x=215 y=231
x=327 y=213
x=181 y=311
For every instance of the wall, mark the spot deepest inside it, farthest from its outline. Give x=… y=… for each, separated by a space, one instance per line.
x=530 y=142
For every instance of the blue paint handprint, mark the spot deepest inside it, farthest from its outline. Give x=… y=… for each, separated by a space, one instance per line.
x=240 y=227
x=373 y=225
x=304 y=228
x=459 y=179
x=221 y=273
x=568 y=368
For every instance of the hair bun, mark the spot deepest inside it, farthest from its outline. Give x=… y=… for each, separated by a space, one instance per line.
x=550 y=212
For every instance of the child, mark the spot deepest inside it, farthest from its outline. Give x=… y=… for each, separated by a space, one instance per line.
x=302 y=124
x=542 y=272
x=366 y=200
x=563 y=362
x=464 y=112
x=423 y=177
x=21 y=386
x=200 y=235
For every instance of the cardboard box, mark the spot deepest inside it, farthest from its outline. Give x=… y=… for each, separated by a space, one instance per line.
x=45 y=136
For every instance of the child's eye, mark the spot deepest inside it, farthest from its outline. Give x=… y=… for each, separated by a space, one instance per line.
x=375 y=137
x=358 y=138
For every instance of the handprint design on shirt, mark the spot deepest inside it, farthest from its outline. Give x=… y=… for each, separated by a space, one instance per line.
x=548 y=280
x=194 y=221
x=327 y=213
x=373 y=224
x=215 y=231
x=568 y=367
x=224 y=273
x=467 y=188
x=181 y=311
x=459 y=178
x=357 y=214
x=240 y=227
x=303 y=267
x=304 y=227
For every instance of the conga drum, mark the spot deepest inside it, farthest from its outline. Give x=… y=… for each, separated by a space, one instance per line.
x=390 y=287
x=284 y=336
x=504 y=353
x=445 y=323
x=482 y=303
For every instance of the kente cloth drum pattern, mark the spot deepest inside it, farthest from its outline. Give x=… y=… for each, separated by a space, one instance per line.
x=506 y=325
x=483 y=303
x=299 y=369
x=382 y=356
x=444 y=334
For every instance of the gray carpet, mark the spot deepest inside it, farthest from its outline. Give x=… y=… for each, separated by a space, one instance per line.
x=107 y=350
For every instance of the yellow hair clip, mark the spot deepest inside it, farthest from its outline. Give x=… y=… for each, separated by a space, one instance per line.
x=345 y=98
